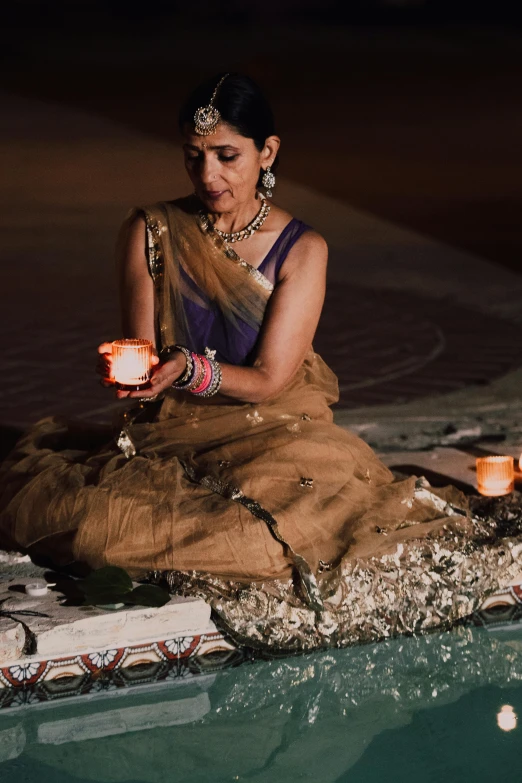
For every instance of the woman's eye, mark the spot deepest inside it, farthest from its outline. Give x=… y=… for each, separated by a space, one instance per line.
x=224 y=158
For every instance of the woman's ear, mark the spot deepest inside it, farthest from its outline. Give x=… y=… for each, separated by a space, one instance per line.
x=270 y=150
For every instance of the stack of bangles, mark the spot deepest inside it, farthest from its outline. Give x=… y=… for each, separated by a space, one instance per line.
x=202 y=376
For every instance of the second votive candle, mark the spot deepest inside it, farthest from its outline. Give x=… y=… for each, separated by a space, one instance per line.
x=495 y=475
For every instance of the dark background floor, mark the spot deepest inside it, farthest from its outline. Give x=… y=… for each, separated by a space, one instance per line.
x=408 y=110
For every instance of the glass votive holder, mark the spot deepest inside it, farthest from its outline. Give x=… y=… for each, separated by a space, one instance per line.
x=495 y=476
x=131 y=364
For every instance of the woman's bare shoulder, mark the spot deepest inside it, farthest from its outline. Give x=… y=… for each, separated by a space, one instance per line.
x=311 y=244
x=132 y=230
x=310 y=238
x=313 y=241
x=131 y=242
x=308 y=257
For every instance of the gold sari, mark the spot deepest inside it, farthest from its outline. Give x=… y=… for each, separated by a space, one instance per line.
x=290 y=526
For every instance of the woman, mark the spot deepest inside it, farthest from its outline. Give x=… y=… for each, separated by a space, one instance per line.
x=229 y=478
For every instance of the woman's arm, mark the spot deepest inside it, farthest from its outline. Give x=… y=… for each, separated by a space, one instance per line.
x=289 y=326
x=287 y=331
x=135 y=283
x=136 y=290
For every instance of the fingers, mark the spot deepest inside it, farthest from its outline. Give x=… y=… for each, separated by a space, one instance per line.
x=105 y=348
x=144 y=393
x=164 y=375
x=155 y=360
x=159 y=375
x=159 y=378
x=104 y=368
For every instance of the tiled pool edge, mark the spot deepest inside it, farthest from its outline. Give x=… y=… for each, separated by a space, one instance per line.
x=173 y=659
x=31 y=670
x=76 y=648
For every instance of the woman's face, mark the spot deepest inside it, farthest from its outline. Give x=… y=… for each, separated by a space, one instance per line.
x=224 y=167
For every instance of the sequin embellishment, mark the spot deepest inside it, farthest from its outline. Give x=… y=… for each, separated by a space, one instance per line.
x=155 y=258
x=254 y=418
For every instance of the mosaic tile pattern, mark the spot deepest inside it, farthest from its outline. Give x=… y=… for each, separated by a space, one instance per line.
x=501 y=610
x=33 y=681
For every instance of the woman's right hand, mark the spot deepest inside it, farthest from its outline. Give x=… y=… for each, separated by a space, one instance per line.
x=104 y=364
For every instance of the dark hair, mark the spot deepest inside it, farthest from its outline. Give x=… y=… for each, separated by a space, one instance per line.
x=241 y=104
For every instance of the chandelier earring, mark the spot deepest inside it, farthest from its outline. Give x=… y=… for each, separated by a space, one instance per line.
x=268 y=181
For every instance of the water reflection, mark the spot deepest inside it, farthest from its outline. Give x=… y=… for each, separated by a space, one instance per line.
x=507 y=718
x=263 y=721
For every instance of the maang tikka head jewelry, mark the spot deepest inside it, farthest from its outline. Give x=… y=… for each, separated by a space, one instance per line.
x=268 y=181
x=207 y=117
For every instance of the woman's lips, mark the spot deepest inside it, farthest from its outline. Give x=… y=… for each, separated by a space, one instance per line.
x=214 y=194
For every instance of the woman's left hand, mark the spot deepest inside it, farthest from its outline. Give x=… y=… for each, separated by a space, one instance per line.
x=163 y=376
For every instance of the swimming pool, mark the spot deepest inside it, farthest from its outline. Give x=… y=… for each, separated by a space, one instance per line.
x=408 y=709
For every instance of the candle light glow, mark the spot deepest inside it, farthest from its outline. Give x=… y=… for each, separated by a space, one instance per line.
x=507 y=718
x=131 y=363
x=495 y=475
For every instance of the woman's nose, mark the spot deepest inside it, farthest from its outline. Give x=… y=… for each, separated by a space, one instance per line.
x=209 y=170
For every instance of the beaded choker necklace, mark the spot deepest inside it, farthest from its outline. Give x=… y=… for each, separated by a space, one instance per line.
x=244 y=233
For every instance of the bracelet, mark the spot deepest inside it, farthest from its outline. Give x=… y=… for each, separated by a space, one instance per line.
x=186 y=377
x=214 y=382
x=202 y=375
x=207 y=377
x=199 y=373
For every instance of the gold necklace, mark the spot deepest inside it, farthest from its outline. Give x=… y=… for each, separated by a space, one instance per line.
x=222 y=244
x=244 y=233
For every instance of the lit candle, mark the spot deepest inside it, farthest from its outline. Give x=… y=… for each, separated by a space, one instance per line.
x=131 y=364
x=507 y=718
x=495 y=476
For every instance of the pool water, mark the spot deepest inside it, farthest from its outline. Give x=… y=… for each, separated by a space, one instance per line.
x=410 y=709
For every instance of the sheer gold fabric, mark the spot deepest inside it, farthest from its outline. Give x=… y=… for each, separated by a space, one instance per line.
x=272 y=502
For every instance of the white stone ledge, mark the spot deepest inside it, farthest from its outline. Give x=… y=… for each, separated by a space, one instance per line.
x=71 y=630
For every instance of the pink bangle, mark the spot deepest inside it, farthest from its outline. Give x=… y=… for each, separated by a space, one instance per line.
x=207 y=378
x=199 y=372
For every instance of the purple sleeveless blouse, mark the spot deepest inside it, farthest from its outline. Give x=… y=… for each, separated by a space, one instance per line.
x=209 y=327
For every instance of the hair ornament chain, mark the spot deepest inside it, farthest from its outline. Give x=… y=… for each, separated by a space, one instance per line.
x=207 y=117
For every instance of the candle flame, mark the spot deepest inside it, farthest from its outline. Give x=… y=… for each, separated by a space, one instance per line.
x=131 y=361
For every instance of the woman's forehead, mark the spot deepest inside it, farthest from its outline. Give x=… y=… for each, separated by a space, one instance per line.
x=224 y=136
